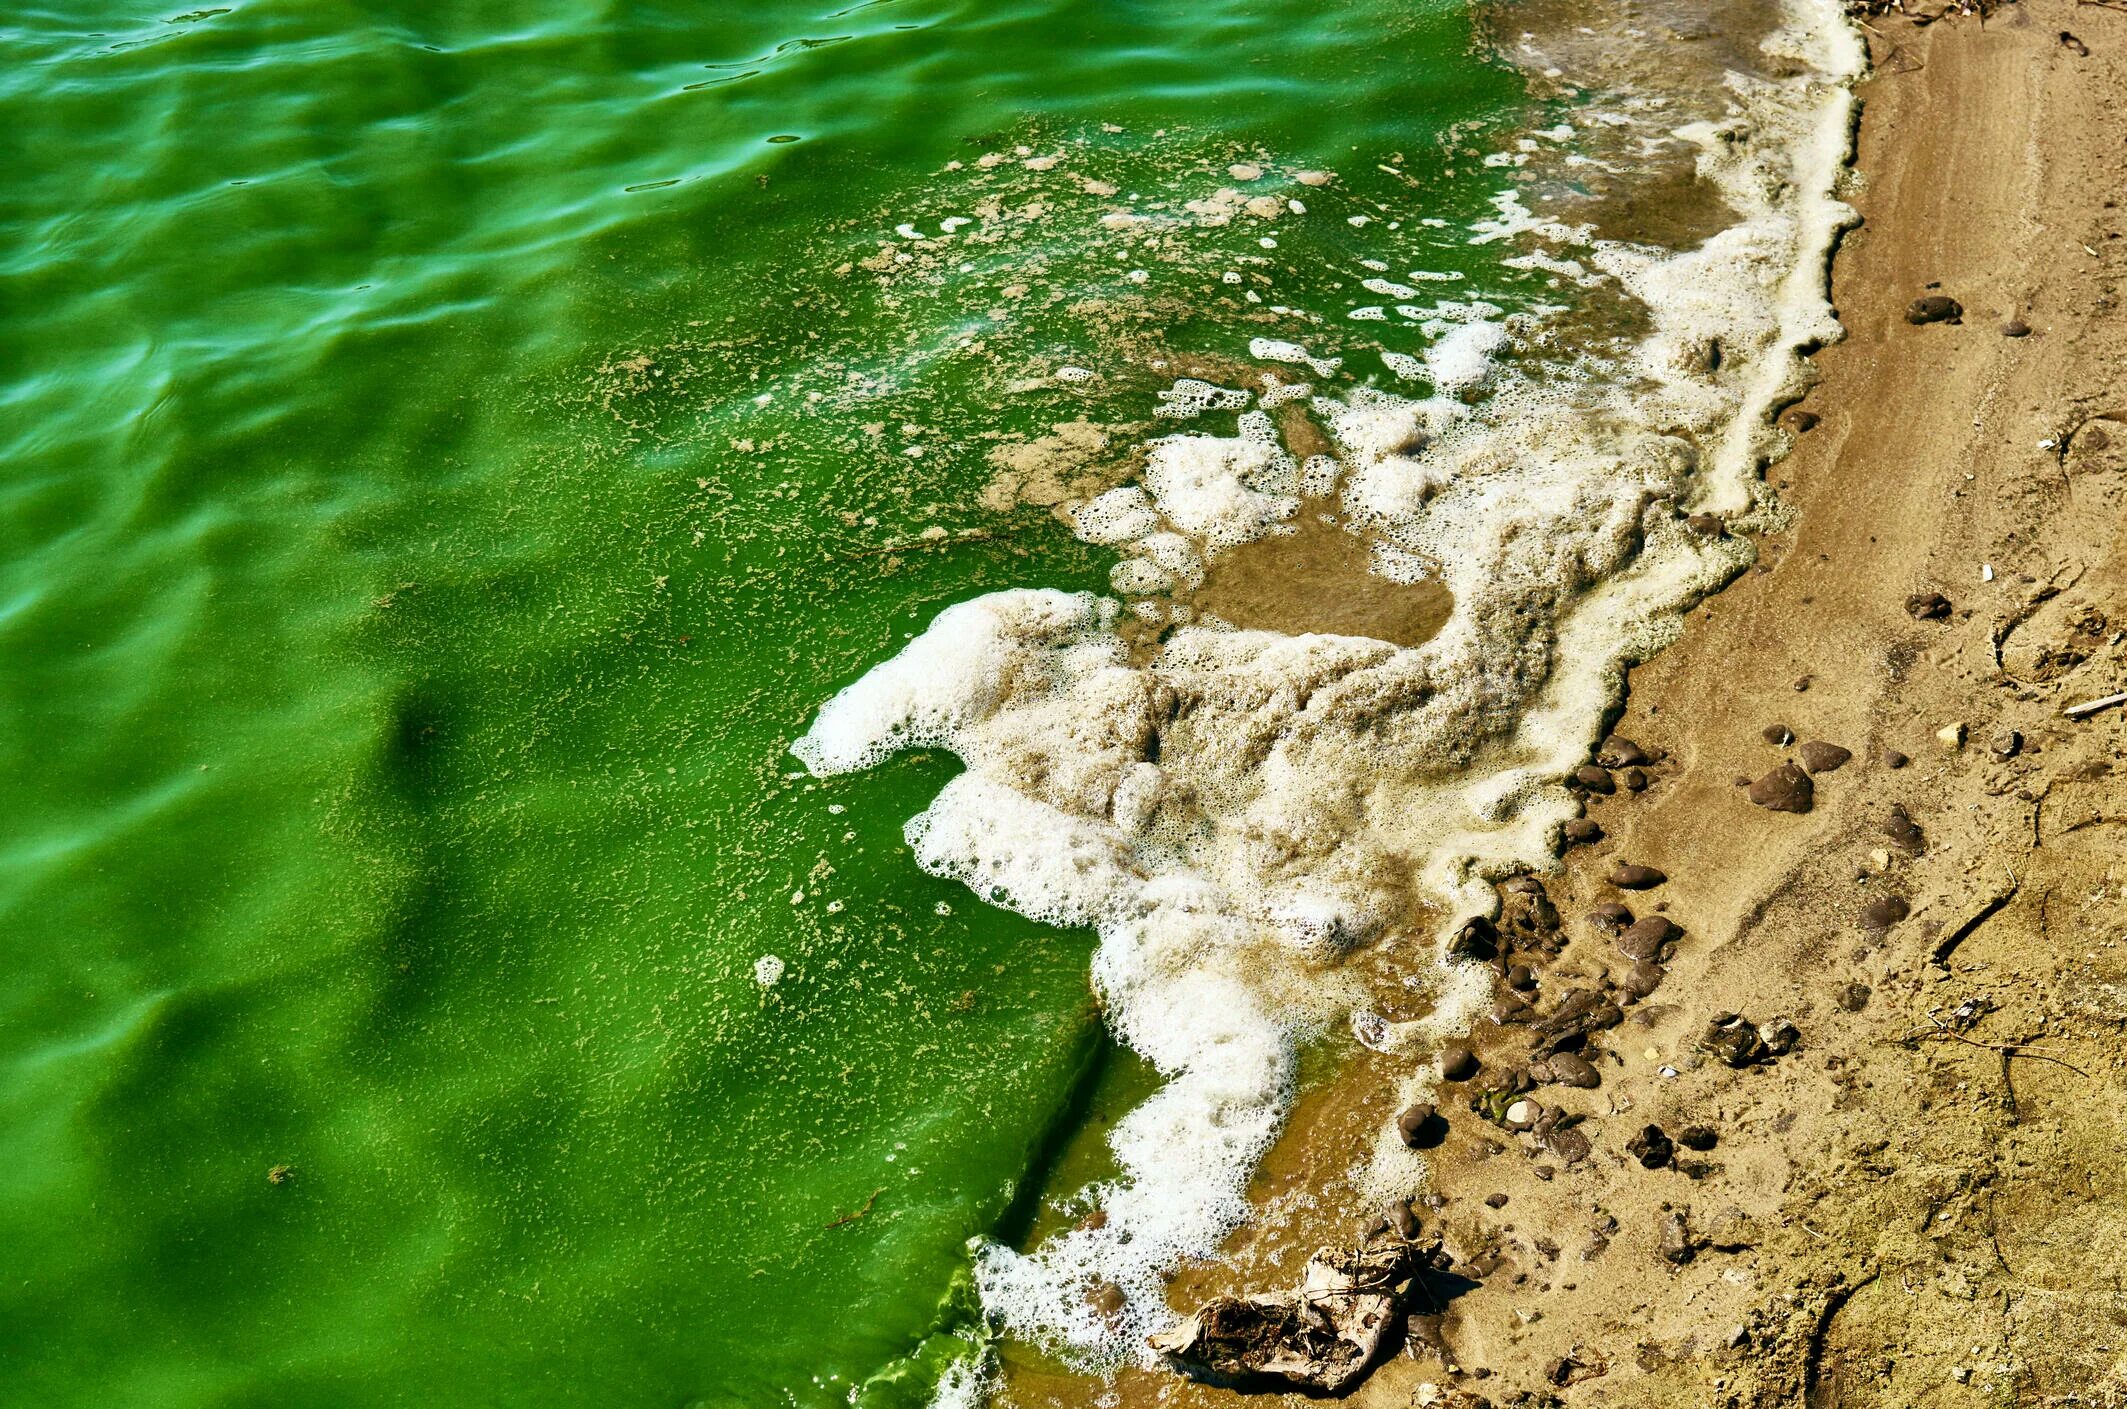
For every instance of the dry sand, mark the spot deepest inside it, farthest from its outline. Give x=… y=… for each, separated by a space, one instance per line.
x=1924 y=1203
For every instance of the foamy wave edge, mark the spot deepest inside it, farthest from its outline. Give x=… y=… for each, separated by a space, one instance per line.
x=1239 y=811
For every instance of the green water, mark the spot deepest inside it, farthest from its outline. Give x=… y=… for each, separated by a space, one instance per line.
x=406 y=601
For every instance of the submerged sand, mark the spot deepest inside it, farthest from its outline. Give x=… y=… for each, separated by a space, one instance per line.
x=1925 y=1202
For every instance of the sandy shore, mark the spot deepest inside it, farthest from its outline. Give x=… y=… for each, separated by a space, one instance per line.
x=1925 y=1201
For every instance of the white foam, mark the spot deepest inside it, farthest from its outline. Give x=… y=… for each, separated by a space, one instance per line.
x=1233 y=810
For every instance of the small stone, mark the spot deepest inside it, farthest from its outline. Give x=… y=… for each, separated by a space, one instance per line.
x=1590 y=778
x=1651 y=1148
x=1640 y=980
x=1568 y=1143
x=1852 y=997
x=1582 y=830
x=1779 y=1036
x=1802 y=683
x=2005 y=745
x=1934 y=308
x=1495 y=1200
x=1697 y=1137
x=1610 y=916
x=1521 y=977
x=1675 y=1238
x=1740 y=781
x=1421 y=1126
x=1645 y=939
x=1108 y=1299
x=1402 y=1217
x=1785 y=789
x=1778 y=735
x=1634 y=779
x=1951 y=737
x=1904 y=831
x=1572 y=1069
x=1521 y=1115
x=1820 y=757
x=1732 y=1230
x=1883 y=912
x=2016 y=328
x=1624 y=753
x=1312 y=178
x=1734 y=1040
x=1927 y=606
x=1477 y=939
x=1457 y=1062
x=1894 y=759
x=1799 y=421
x=1707 y=525
x=1626 y=876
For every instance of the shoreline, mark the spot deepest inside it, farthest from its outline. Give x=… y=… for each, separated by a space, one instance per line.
x=1946 y=1115
x=1848 y=1239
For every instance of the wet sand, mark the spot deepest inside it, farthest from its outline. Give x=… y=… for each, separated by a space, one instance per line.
x=1924 y=1201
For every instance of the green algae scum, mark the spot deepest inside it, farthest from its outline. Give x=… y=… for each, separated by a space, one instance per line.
x=451 y=453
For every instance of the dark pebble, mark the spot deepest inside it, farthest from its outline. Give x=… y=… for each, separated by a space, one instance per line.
x=1521 y=977
x=1510 y=1009
x=1785 y=789
x=1495 y=1200
x=1421 y=1126
x=2005 y=745
x=1572 y=1069
x=1935 y=308
x=1647 y=938
x=2016 y=328
x=1883 y=912
x=1582 y=830
x=1894 y=759
x=1592 y=779
x=1708 y=525
x=1634 y=779
x=1801 y=683
x=1568 y=1143
x=1904 y=831
x=1457 y=1062
x=1623 y=753
x=1801 y=422
x=1820 y=757
x=1108 y=1299
x=1640 y=980
x=1651 y=1148
x=1610 y=916
x=1853 y=997
x=1629 y=877
x=1740 y=781
x=1697 y=1137
x=1927 y=606
x=1778 y=735
x=1403 y=1218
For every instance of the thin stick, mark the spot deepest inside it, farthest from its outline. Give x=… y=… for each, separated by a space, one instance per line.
x=2090 y=707
x=853 y=1217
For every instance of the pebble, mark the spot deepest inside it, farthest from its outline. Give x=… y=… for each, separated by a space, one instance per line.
x=1697 y=1137
x=1801 y=422
x=1403 y=1218
x=1521 y=977
x=1583 y=830
x=1421 y=1126
x=1883 y=912
x=1621 y=752
x=1521 y=1115
x=1707 y=525
x=1676 y=1241
x=2005 y=745
x=1951 y=737
x=1820 y=757
x=1785 y=789
x=1853 y=997
x=1634 y=779
x=1626 y=876
x=1934 y=308
x=1927 y=606
x=1645 y=939
x=1594 y=779
x=1457 y=1062
x=1640 y=980
x=1894 y=759
x=1610 y=916
x=1495 y=1200
x=1572 y=1069
x=1108 y=1299
x=1651 y=1148
x=2016 y=328
x=1568 y=1142
x=1900 y=827
x=1778 y=735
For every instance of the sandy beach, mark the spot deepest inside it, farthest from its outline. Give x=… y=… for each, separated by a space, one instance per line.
x=1895 y=1176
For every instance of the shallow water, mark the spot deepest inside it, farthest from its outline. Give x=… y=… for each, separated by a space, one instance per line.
x=449 y=453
